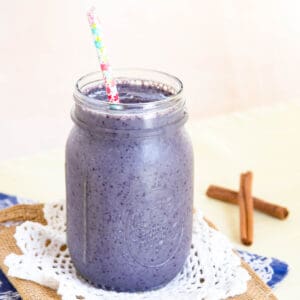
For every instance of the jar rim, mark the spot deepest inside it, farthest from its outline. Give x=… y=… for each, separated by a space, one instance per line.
x=81 y=98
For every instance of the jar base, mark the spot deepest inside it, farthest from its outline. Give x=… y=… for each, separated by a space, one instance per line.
x=120 y=290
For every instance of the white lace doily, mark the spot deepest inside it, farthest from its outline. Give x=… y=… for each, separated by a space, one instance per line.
x=212 y=270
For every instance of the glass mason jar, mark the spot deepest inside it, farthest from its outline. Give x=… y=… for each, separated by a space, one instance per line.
x=129 y=183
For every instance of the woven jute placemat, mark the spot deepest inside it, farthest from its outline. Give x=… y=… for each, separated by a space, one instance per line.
x=29 y=290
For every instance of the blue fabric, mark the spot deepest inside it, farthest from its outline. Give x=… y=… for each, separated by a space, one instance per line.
x=7 y=291
x=271 y=270
x=6 y=200
x=280 y=271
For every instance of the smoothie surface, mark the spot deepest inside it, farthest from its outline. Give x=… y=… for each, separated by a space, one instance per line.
x=144 y=92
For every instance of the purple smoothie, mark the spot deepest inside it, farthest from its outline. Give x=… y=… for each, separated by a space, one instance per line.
x=129 y=182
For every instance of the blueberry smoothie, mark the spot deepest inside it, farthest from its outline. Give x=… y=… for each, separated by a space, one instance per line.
x=129 y=182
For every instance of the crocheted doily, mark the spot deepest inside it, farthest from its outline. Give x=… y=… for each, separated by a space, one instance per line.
x=212 y=270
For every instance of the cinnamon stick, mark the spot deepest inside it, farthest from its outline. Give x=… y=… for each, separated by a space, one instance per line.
x=246 y=208
x=230 y=196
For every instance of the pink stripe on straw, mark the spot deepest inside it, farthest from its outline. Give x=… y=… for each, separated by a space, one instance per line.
x=96 y=29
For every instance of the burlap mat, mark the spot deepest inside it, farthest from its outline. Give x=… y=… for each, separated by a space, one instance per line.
x=29 y=290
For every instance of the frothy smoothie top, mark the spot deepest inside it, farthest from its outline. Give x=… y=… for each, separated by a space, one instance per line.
x=138 y=92
x=133 y=112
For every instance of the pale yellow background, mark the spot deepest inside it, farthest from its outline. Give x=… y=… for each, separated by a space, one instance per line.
x=231 y=55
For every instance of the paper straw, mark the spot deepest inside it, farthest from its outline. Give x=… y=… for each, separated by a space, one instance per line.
x=96 y=29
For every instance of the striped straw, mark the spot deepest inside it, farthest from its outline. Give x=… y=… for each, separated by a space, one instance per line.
x=110 y=84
